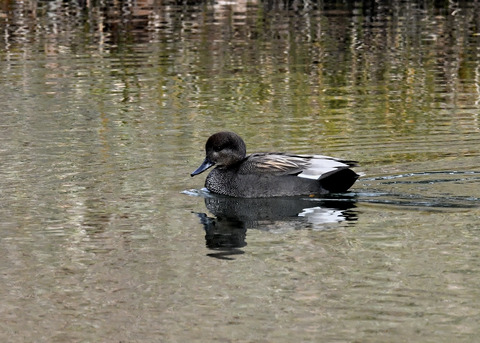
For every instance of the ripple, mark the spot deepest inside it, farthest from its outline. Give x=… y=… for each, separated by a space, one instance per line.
x=436 y=189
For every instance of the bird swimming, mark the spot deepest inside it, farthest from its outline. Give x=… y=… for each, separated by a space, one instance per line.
x=261 y=175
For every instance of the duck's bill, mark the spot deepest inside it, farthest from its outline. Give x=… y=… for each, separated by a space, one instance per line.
x=204 y=166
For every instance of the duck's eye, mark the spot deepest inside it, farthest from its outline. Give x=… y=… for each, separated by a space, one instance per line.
x=218 y=148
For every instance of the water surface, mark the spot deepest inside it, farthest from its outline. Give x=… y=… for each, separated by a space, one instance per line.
x=105 y=113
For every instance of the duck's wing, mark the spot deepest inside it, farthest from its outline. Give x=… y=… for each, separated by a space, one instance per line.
x=313 y=167
x=322 y=167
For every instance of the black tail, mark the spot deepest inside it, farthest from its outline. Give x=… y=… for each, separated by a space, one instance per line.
x=339 y=181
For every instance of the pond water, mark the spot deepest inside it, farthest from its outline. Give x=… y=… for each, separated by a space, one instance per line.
x=106 y=107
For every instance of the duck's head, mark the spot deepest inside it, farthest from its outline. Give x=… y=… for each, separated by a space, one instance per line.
x=223 y=149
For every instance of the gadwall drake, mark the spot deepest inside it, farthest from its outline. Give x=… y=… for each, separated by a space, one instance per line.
x=263 y=175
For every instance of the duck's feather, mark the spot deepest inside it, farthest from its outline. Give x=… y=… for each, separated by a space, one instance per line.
x=313 y=167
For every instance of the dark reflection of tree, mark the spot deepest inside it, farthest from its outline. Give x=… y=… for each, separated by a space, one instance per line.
x=342 y=54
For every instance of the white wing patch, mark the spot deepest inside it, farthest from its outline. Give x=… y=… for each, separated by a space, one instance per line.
x=321 y=166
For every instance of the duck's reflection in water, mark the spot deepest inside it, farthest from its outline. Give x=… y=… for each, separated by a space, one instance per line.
x=226 y=232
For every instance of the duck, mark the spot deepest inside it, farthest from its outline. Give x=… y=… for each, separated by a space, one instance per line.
x=262 y=175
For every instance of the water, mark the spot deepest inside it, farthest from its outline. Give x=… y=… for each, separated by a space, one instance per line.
x=106 y=107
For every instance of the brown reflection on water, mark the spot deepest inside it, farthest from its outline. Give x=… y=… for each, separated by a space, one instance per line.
x=339 y=47
x=348 y=77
